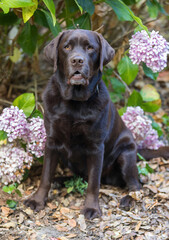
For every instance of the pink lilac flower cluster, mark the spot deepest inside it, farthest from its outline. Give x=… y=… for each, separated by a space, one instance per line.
x=152 y=50
x=32 y=132
x=13 y=122
x=36 y=137
x=141 y=128
x=13 y=161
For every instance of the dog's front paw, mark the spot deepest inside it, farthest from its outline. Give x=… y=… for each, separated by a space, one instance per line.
x=126 y=203
x=35 y=203
x=91 y=213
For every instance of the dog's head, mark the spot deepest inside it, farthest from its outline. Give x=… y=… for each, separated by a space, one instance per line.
x=78 y=57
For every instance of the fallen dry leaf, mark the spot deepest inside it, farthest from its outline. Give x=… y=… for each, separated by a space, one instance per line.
x=72 y=223
x=81 y=222
x=138 y=226
x=72 y=235
x=9 y=225
x=6 y=211
x=137 y=195
x=151 y=188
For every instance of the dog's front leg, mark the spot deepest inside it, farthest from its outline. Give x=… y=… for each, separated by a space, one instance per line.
x=94 y=164
x=38 y=199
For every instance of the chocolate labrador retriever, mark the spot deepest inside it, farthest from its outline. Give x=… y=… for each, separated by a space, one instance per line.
x=84 y=130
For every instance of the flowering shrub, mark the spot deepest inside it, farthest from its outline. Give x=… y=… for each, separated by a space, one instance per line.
x=14 y=159
x=141 y=128
x=13 y=122
x=151 y=50
x=13 y=162
x=36 y=137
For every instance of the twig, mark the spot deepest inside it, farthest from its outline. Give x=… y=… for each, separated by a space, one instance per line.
x=36 y=94
x=98 y=29
x=121 y=80
x=40 y=105
x=5 y=101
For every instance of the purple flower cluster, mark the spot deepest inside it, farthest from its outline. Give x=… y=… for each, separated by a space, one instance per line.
x=13 y=161
x=32 y=132
x=36 y=137
x=141 y=128
x=13 y=122
x=151 y=50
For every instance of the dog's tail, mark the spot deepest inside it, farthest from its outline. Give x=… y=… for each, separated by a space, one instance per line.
x=149 y=153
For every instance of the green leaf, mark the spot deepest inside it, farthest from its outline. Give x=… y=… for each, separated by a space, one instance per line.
x=51 y=6
x=54 y=29
x=149 y=169
x=80 y=8
x=9 y=189
x=83 y=21
x=11 y=204
x=137 y=19
x=26 y=102
x=127 y=70
x=117 y=86
x=165 y=119
x=143 y=171
x=157 y=127
x=18 y=192
x=151 y=106
x=36 y=114
x=122 y=110
x=3 y=135
x=115 y=97
x=141 y=157
x=87 y=6
x=6 y=4
x=70 y=189
x=152 y=8
x=149 y=93
x=40 y=18
x=27 y=12
x=120 y=9
x=149 y=73
x=28 y=38
x=8 y=19
x=135 y=99
x=16 y=55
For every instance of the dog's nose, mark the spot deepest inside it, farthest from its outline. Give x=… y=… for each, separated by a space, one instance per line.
x=77 y=61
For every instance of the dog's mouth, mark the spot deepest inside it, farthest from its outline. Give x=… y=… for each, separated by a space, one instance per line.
x=78 y=79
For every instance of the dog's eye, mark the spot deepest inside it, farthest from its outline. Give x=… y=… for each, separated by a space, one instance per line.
x=89 y=48
x=67 y=47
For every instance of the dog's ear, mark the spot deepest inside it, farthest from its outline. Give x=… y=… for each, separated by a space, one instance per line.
x=51 y=51
x=106 y=52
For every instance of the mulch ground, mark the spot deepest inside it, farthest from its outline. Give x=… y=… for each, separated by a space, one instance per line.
x=62 y=219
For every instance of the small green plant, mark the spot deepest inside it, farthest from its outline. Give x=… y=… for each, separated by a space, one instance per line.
x=76 y=184
x=145 y=170
x=12 y=190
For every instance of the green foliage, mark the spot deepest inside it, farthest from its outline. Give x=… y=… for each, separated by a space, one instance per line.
x=145 y=170
x=26 y=102
x=12 y=189
x=149 y=73
x=127 y=70
x=3 y=135
x=144 y=100
x=25 y=38
x=76 y=184
x=118 y=89
x=87 y=6
x=12 y=204
x=120 y=9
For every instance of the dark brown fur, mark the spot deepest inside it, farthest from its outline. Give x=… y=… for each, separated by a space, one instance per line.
x=84 y=130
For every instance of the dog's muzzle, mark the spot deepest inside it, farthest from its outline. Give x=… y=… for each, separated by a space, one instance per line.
x=78 y=79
